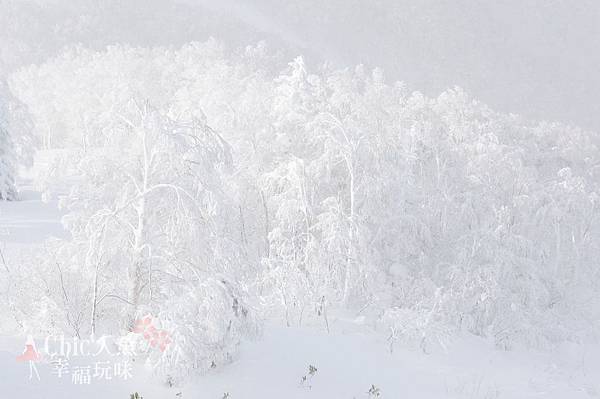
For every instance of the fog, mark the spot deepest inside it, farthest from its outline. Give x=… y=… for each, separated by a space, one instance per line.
x=532 y=57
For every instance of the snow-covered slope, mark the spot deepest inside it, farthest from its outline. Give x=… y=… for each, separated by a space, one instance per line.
x=29 y=220
x=348 y=363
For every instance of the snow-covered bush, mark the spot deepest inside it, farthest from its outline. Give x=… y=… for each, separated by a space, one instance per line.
x=205 y=321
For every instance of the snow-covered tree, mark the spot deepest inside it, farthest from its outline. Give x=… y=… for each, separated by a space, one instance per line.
x=7 y=166
x=8 y=156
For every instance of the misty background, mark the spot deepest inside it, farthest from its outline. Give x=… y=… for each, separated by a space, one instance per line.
x=537 y=58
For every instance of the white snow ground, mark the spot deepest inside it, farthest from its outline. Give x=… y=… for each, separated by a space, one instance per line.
x=347 y=365
x=349 y=359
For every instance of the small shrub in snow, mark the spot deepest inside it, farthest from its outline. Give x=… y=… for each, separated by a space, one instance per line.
x=374 y=392
x=307 y=378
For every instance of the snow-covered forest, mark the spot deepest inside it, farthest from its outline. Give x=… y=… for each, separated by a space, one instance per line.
x=198 y=196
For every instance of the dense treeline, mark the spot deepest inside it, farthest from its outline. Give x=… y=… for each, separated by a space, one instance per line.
x=213 y=188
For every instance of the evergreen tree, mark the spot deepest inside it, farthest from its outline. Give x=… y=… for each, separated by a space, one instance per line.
x=7 y=159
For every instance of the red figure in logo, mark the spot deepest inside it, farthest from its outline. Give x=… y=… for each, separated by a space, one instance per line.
x=31 y=355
